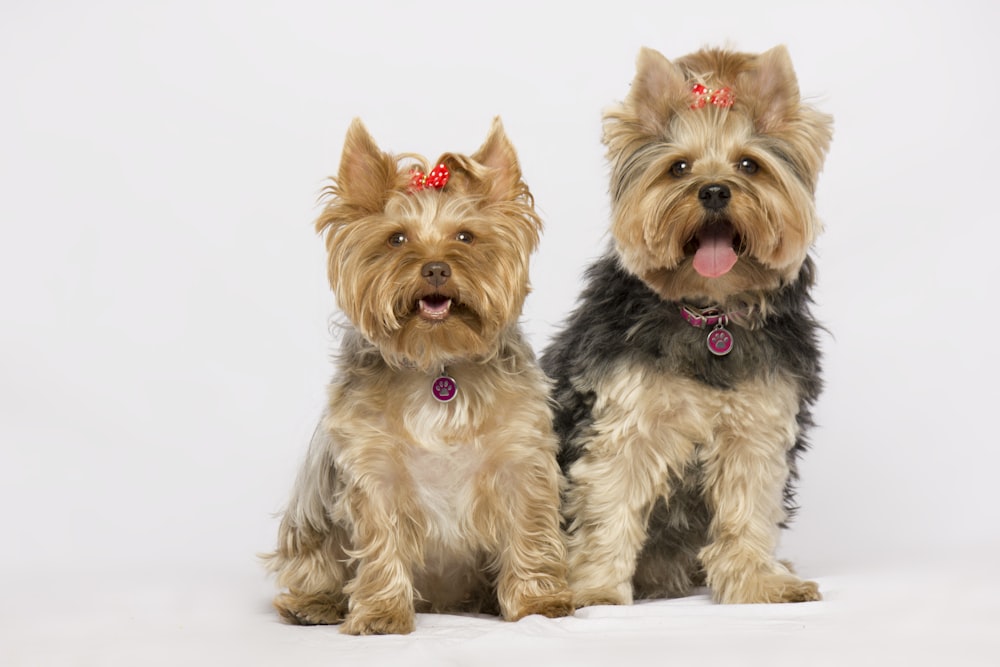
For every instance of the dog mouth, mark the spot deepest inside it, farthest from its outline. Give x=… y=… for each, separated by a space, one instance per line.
x=434 y=307
x=714 y=248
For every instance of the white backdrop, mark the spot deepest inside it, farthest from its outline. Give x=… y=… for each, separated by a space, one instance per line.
x=164 y=338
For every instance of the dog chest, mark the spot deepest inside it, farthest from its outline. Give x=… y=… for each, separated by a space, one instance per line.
x=444 y=480
x=662 y=407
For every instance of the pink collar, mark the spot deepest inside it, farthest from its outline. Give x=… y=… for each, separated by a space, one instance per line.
x=707 y=317
x=720 y=340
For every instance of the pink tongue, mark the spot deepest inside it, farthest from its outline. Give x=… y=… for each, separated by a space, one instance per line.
x=715 y=255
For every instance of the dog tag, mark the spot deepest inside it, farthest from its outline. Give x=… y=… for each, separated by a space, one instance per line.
x=444 y=388
x=720 y=341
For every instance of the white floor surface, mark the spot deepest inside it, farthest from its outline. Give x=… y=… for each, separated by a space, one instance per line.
x=943 y=613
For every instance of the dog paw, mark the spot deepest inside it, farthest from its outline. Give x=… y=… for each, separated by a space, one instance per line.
x=379 y=622
x=551 y=606
x=775 y=588
x=318 y=609
x=594 y=598
x=798 y=590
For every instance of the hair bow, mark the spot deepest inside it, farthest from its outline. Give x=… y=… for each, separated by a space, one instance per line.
x=436 y=179
x=722 y=97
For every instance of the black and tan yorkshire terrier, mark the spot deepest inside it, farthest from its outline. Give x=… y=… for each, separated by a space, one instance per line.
x=686 y=373
x=431 y=482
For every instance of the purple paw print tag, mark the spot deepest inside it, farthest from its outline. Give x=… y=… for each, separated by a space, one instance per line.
x=720 y=342
x=444 y=388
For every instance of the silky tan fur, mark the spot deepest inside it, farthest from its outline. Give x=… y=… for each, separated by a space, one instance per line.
x=405 y=503
x=681 y=464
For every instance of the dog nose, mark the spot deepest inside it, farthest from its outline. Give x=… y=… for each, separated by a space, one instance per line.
x=714 y=196
x=436 y=273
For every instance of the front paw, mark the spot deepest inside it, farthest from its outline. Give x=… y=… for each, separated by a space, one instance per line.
x=316 y=609
x=596 y=591
x=379 y=621
x=594 y=597
x=554 y=605
x=771 y=588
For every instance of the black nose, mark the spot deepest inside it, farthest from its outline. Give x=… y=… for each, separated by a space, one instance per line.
x=714 y=196
x=436 y=273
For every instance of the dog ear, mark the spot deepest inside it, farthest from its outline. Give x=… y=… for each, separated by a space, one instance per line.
x=658 y=90
x=775 y=89
x=498 y=155
x=492 y=172
x=367 y=175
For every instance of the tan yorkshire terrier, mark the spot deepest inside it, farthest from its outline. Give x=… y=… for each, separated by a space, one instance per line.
x=686 y=374
x=431 y=482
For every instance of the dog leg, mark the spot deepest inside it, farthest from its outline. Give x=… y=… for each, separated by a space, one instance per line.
x=523 y=499
x=388 y=543
x=746 y=470
x=311 y=564
x=612 y=490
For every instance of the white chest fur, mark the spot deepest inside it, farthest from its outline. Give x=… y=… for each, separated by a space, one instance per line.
x=445 y=481
x=443 y=463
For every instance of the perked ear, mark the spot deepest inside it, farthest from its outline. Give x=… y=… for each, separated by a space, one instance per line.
x=772 y=89
x=657 y=90
x=367 y=174
x=497 y=153
x=492 y=172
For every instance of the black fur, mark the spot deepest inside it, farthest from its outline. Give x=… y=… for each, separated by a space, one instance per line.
x=620 y=319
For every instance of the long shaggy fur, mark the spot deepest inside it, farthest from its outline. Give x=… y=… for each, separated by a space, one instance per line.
x=681 y=464
x=406 y=503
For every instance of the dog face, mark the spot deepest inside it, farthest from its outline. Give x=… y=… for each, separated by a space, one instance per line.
x=714 y=167
x=429 y=267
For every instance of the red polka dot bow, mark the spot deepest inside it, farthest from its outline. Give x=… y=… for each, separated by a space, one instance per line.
x=437 y=179
x=722 y=97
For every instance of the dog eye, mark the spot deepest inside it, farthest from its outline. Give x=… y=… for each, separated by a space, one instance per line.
x=465 y=237
x=748 y=166
x=397 y=239
x=679 y=168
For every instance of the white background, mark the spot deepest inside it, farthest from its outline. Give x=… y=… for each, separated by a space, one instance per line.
x=164 y=337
